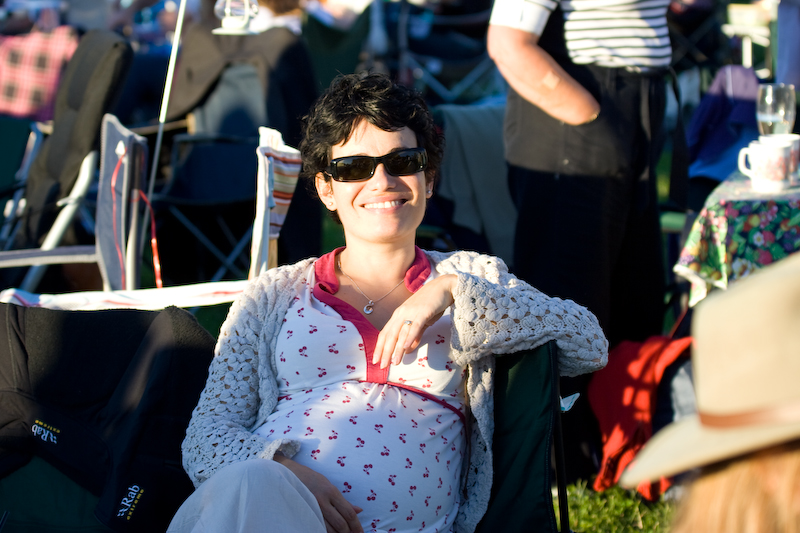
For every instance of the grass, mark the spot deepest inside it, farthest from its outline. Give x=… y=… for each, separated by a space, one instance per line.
x=662 y=174
x=615 y=511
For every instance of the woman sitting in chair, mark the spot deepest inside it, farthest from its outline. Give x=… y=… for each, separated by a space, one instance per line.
x=337 y=399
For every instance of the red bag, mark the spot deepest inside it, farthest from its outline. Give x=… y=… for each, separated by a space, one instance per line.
x=622 y=396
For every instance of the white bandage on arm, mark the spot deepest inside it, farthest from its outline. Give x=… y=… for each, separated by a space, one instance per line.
x=527 y=15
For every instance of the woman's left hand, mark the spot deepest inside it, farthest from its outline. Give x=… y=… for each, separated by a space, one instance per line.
x=422 y=309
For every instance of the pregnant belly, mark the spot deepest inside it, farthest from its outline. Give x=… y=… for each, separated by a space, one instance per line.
x=391 y=452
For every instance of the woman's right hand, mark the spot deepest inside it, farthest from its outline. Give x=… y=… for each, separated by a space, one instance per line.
x=402 y=333
x=339 y=514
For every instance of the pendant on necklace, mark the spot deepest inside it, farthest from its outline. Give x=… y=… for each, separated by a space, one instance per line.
x=368 y=307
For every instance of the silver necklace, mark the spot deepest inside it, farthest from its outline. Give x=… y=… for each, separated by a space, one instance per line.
x=371 y=303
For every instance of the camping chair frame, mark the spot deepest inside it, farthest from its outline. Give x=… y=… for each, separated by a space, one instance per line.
x=481 y=67
x=115 y=253
x=527 y=416
x=189 y=188
x=278 y=167
x=35 y=258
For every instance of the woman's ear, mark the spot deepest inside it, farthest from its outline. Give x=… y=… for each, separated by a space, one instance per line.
x=325 y=191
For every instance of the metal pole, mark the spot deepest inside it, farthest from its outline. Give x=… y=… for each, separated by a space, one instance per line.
x=173 y=57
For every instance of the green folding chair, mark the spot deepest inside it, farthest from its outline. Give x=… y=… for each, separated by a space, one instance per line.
x=527 y=417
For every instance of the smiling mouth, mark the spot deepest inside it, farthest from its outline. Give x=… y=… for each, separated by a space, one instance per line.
x=385 y=205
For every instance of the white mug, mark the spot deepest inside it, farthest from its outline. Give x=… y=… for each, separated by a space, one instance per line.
x=782 y=138
x=768 y=165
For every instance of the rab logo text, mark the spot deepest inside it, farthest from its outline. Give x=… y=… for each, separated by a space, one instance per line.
x=45 y=432
x=128 y=503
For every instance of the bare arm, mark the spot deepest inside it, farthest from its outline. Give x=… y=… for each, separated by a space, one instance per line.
x=535 y=76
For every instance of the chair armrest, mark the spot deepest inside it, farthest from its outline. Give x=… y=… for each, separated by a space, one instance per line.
x=56 y=256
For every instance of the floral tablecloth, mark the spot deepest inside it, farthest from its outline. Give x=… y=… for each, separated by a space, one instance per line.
x=737 y=232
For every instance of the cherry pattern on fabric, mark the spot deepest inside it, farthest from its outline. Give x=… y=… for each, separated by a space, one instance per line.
x=393 y=446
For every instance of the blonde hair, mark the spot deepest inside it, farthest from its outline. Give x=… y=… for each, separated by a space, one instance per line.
x=757 y=493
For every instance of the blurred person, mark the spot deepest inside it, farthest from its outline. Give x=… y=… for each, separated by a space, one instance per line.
x=583 y=119
x=763 y=488
x=745 y=438
x=582 y=124
x=24 y=16
x=123 y=18
x=787 y=66
x=339 y=14
x=278 y=13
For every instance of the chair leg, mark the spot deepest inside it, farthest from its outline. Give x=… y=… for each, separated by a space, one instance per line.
x=558 y=446
x=226 y=261
x=237 y=251
x=244 y=261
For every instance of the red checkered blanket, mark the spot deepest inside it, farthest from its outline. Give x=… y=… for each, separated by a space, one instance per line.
x=30 y=70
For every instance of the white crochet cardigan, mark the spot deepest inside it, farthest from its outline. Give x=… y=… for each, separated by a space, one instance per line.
x=494 y=313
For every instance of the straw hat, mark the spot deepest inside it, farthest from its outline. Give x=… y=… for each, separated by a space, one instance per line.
x=746 y=362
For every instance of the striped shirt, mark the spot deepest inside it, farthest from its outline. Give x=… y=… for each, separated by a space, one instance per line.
x=630 y=34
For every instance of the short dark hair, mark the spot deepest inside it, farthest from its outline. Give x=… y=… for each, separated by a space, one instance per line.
x=372 y=97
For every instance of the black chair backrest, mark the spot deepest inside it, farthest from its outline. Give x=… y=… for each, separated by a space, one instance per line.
x=235 y=106
x=105 y=397
x=88 y=89
x=216 y=164
x=210 y=170
x=527 y=418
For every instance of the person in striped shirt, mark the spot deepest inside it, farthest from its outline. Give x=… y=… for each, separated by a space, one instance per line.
x=582 y=136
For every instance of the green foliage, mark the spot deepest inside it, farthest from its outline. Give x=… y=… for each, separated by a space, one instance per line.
x=615 y=511
x=332 y=233
x=211 y=317
x=662 y=174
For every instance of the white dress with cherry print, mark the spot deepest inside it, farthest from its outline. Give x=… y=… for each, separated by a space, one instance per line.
x=391 y=440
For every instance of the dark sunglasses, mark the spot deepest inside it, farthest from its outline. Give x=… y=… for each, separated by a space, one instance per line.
x=362 y=167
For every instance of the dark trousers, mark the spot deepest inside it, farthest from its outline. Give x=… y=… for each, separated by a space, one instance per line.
x=588 y=223
x=576 y=239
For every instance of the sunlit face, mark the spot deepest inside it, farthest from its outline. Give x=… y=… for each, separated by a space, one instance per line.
x=384 y=208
